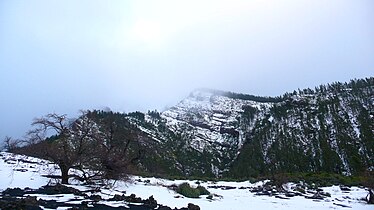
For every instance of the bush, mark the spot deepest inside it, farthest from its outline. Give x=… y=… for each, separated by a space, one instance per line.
x=186 y=190
x=203 y=190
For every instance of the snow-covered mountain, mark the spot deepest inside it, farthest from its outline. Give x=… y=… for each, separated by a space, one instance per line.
x=216 y=133
x=222 y=134
x=328 y=129
x=210 y=122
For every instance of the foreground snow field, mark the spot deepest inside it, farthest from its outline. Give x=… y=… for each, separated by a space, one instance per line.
x=21 y=171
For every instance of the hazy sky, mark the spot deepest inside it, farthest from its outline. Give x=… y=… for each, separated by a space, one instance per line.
x=62 y=56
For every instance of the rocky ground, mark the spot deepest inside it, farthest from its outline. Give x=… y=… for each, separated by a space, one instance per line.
x=16 y=198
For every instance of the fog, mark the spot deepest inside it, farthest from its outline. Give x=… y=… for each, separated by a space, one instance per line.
x=63 y=56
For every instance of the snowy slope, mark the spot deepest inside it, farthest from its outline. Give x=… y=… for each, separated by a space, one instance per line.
x=211 y=115
x=327 y=129
x=21 y=171
x=210 y=122
x=222 y=134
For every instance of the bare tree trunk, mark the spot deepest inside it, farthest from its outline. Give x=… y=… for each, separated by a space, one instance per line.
x=64 y=174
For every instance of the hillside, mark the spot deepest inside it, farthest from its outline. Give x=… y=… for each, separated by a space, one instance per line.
x=216 y=133
x=328 y=129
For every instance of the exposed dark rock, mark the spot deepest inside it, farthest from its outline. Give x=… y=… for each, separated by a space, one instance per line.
x=268 y=187
x=230 y=131
x=193 y=207
x=14 y=203
x=255 y=189
x=326 y=194
x=316 y=196
x=58 y=189
x=21 y=169
x=228 y=188
x=342 y=205
x=161 y=207
x=133 y=199
x=222 y=187
x=290 y=194
x=52 y=204
x=150 y=202
x=118 y=198
x=13 y=192
x=370 y=197
x=345 y=188
x=11 y=199
x=300 y=190
x=95 y=198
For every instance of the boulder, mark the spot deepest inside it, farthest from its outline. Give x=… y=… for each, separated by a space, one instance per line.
x=150 y=202
x=193 y=207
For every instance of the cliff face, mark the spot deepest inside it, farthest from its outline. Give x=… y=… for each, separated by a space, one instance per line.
x=210 y=123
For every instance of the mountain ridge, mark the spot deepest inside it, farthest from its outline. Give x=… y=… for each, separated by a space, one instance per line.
x=218 y=134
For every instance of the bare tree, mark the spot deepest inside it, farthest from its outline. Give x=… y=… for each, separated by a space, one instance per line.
x=11 y=144
x=118 y=146
x=71 y=146
x=100 y=145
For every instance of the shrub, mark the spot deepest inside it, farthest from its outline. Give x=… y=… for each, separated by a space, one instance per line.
x=186 y=190
x=203 y=190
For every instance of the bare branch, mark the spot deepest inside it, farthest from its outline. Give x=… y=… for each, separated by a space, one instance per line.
x=11 y=144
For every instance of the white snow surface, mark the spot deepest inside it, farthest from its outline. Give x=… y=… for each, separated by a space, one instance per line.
x=21 y=171
x=207 y=113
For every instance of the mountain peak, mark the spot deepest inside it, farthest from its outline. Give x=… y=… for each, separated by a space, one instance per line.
x=207 y=92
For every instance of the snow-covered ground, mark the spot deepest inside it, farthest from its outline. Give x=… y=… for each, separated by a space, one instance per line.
x=21 y=171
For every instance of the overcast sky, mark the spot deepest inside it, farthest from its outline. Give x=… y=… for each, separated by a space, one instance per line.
x=63 y=56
